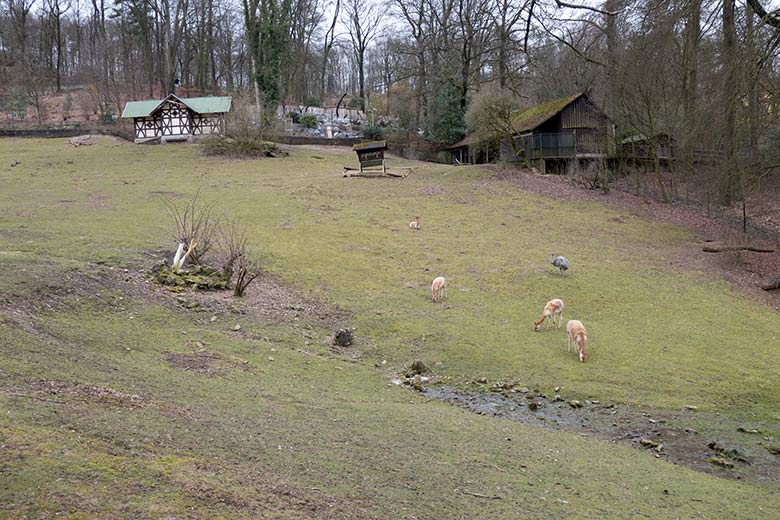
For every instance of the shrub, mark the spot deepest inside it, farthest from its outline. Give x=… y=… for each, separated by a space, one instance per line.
x=294 y=116
x=308 y=121
x=233 y=239
x=489 y=116
x=247 y=270
x=313 y=101
x=357 y=102
x=241 y=147
x=372 y=133
x=445 y=116
x=193 y=225
x=244 y=135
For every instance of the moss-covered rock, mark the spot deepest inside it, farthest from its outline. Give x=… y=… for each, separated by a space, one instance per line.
x=201 y=277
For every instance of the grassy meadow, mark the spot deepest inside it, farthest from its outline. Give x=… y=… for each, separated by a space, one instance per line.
x=286 y=428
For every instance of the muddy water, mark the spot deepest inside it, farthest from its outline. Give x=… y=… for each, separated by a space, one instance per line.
x=525 y=408
x=664 y=434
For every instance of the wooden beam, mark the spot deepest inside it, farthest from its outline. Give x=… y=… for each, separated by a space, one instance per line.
x=718 y=247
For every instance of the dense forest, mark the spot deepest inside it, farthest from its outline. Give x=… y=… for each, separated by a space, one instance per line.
x=705 y=72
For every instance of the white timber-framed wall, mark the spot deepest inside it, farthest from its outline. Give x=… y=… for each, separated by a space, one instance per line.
x=177 y=119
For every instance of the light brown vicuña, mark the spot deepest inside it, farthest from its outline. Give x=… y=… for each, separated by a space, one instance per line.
x=553 y=310
x=438 y=288
x=415 y=224
x=579 y=336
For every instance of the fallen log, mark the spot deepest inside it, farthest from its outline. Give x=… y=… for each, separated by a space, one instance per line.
x=373 y=174
x=718 y=247
x=772 y=285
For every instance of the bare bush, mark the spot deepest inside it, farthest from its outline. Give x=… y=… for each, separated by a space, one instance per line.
x=246 y=134
x=233 y=240
x=593 y=176
x=248 y=270
x=193 y=226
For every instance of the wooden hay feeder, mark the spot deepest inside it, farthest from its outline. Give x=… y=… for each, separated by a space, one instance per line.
x=371 y=154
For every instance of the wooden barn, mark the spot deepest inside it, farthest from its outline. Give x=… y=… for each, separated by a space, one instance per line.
x=469 y=151
x=641 y=148
x=177 y=119
x=558 y=135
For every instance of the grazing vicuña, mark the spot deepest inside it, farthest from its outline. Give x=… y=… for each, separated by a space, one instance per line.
x=438 y=288
x=579 y=335
x=553 y=310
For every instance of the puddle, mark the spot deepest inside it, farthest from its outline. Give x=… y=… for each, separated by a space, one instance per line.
x=663 y=434
x=525 y=408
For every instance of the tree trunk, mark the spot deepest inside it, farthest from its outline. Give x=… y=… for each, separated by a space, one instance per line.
x=729 y=177
x=690 y=83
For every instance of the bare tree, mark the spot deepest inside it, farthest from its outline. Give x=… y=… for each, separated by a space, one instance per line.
x=362 y=19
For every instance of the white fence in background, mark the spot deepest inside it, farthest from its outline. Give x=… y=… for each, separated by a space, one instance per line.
x=349 y=113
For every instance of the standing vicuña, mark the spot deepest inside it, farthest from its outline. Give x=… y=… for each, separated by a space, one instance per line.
x=579 y=335
x=438 y=288
x=554 y=311
x=415 y=224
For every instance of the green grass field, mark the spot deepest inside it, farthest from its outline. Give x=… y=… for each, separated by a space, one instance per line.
x=287 y=429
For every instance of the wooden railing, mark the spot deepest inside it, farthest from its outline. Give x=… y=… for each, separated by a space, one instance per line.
x=565 y=145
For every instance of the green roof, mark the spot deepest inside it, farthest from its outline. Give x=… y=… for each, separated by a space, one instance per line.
x=201 y=105
x=530 y=118
x=140 y=108
x=209 y=105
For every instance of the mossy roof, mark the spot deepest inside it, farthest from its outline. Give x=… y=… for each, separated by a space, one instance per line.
x=530 y=118
x=370 y=146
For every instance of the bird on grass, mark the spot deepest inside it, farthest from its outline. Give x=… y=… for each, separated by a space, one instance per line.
x=561 y=262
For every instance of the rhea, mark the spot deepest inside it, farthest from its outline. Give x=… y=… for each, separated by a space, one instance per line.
x=561 y=262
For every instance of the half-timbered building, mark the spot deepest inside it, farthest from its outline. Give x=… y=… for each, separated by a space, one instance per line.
x=175 y=118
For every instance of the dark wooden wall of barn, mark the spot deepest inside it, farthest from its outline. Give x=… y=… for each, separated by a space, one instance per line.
x=582 y=114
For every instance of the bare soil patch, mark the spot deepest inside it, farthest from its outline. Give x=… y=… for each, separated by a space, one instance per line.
x=745 y=270
x=204 y=362
x=431 y=191
x=55 y=390
x=201 y=362
x=269 y=499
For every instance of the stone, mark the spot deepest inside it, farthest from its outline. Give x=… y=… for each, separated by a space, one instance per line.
x=719 y=461
x=236 y=327
x=773 y=449
x=691 y=407
x=418 y=367
x=343 y=337
x=575 y=403
x=649 y=443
